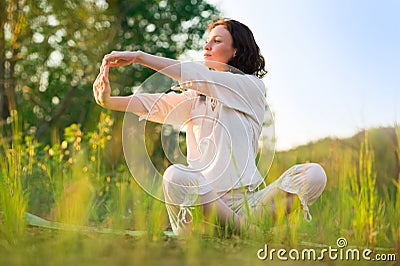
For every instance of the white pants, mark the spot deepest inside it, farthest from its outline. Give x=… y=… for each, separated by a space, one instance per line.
x=183 y=187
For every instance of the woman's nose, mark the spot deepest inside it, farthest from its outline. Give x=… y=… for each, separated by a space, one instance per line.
x=207 y=46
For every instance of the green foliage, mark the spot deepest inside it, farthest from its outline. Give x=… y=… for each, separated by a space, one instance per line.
x=69 y=182
x=52 y=50
x=55 y=51
x=166 y=28
x=332 y=151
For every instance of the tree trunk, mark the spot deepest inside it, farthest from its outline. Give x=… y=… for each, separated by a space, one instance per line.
x=16 y=20
x=10 y=14
x=3 y=100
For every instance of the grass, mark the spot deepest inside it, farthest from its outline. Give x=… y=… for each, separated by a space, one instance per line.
x=364 y=197
x=13 y=200
x=67 y=182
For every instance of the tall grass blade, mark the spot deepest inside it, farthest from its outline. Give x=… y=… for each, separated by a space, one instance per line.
x=13 y=201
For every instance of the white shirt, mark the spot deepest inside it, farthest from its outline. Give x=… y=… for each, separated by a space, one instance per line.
x=223 y=113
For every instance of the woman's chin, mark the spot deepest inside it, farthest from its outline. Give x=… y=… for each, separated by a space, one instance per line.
x=215 y=65
x=207 y=61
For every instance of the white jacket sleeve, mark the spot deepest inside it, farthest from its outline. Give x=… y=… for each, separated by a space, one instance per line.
x=170 y=108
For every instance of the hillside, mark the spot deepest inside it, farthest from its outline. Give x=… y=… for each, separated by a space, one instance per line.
x=334 y=153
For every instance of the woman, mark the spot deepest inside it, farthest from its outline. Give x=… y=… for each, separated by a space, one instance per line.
x=223 y=111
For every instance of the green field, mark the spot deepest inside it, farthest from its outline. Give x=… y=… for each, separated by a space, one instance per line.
x=70 y=182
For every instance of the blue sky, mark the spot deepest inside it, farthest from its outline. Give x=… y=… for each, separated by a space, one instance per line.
x=334 y=65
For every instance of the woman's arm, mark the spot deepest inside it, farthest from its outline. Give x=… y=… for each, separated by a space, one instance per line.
x=126 y=104
x=155 y=107
x=245 y=93
x=166 y=66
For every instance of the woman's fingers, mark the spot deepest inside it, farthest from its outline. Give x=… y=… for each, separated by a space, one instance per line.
x=97 y=87
x=99 y=76
x=101 y=86
x=105 y=87
x=115 y=63
x=106 y=70
x=116 y=58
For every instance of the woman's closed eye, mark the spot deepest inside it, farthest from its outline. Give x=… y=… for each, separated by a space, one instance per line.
x=215 y=40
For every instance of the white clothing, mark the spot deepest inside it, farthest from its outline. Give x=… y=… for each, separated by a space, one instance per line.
x=223 y=114
x=307 y=181
x=223 y=127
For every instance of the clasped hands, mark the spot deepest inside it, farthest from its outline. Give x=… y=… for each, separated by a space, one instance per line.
x=101 y=86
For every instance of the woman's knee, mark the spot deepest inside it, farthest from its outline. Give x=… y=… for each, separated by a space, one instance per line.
x=317 y=174
x=317 y=180
x=181 y=178
x=179 y=174
x=175 y=174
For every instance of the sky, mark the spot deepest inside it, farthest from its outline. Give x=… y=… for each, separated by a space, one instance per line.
x=333 y=65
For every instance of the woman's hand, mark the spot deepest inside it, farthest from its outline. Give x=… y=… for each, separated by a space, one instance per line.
x=101 y=86
x=121 y=58
x=166 y=66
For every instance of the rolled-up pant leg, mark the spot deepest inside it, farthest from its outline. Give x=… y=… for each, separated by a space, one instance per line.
x=307 y=181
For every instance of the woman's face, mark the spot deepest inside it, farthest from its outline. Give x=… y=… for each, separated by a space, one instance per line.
x=219 y=46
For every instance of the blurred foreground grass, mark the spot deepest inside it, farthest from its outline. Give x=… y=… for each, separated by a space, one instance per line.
x=67 y=182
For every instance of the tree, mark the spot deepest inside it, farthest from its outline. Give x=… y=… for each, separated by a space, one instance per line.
x=50 y=51
x=12 y=22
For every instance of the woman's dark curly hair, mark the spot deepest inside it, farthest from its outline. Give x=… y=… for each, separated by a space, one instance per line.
x=248 y=58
